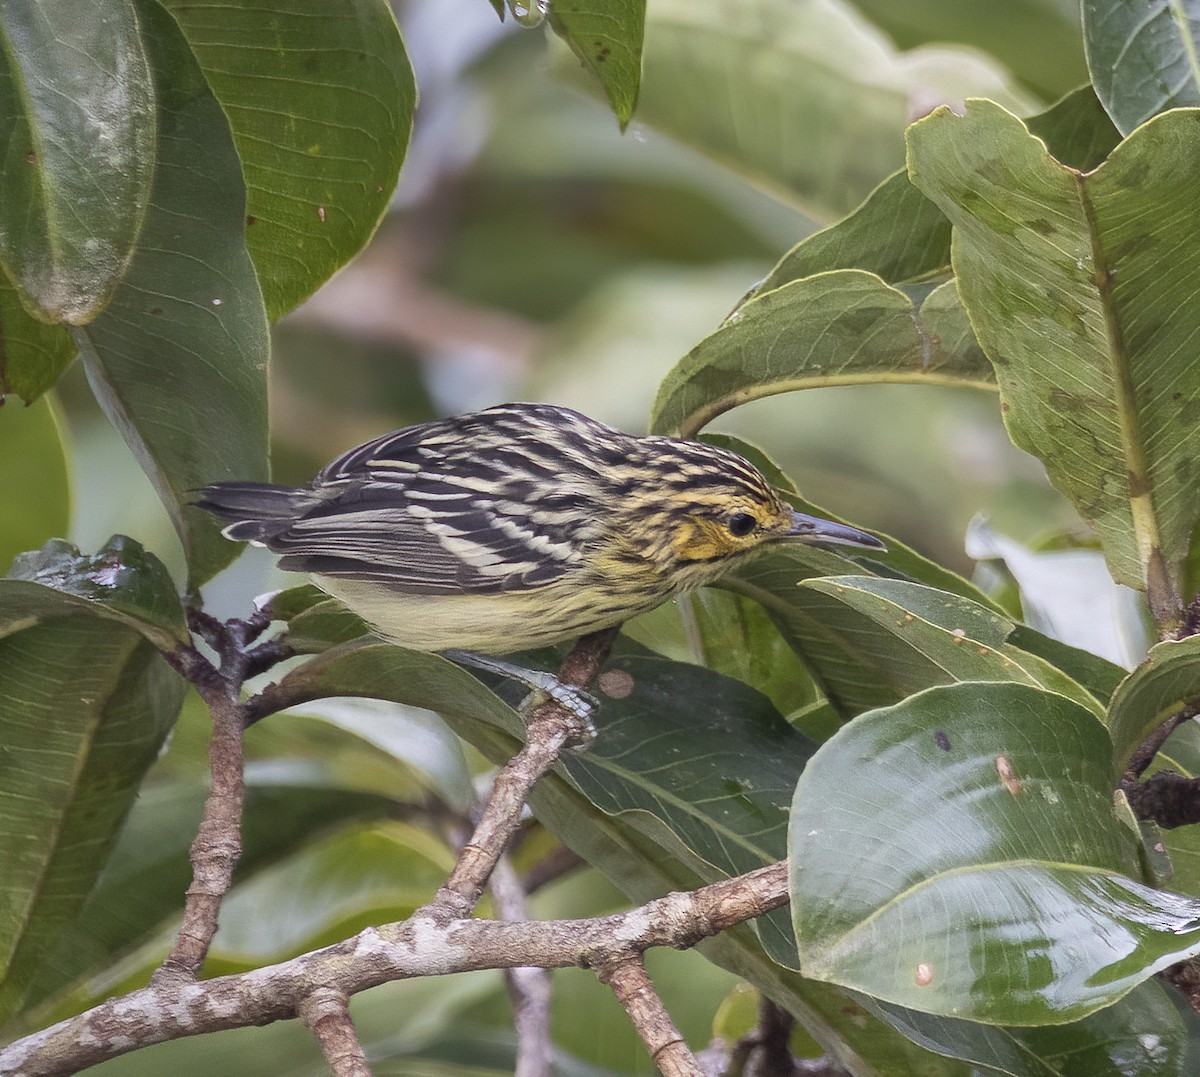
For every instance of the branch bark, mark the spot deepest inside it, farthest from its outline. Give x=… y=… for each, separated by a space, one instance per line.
x=551 y=729
x=421 y=946
x=327 y=1014
x=528 y=986
x=631 y=983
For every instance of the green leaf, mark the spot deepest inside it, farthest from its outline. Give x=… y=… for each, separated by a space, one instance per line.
x=897 y=234
x=84 y=708
x=33 y=475
x=77 y=109
x=889 y=638
x=1144 y=58
x=651 y=758
x=320 y=99
x=843 y=327
x=1030 y=915
x=121 y=582
x=1077 y=130
x=728 y=79
x=1150 y=1030
x=643 y=871
x=32 y=353
x=1078 y=289
x=606 y=36
x=178 y=357
x=1167 y=682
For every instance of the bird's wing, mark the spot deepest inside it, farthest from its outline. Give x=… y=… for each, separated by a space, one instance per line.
x=435 y=533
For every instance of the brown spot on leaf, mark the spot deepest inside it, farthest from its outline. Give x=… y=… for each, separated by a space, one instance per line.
x=1008 y=776
x=615 y=683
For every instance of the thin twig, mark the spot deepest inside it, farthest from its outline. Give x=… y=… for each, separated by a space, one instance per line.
x=529 y=987
x=327 y=1014
x=552 y=728
x=420 y=946
x=218 y=843
x=626 y=975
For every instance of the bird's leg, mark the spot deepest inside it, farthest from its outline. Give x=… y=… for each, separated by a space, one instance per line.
x=576 y=700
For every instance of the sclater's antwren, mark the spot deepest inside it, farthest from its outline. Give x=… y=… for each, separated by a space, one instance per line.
x=516 y=527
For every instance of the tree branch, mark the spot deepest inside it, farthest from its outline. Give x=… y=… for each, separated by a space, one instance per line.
x=529 y=987
x=421 y=946
x=327 y=1014
x=551 y=728
x=626 y=975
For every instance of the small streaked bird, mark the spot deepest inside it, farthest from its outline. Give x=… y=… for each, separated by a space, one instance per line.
x=516 y=527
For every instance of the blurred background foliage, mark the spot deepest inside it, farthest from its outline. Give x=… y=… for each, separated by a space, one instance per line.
x=533 y=251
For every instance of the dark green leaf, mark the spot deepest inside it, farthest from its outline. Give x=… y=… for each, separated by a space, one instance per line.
x=1030 y=915
x=1079 y=289
x=77 y=113
x=84 y=708
x=121 y=581
x=1143 y=57
x=606 y=35
x=320 y=99
x=33 y=476
x=1077 y=130
x=178 y=357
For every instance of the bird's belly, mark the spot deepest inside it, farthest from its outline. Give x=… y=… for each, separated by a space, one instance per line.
x=487 y=624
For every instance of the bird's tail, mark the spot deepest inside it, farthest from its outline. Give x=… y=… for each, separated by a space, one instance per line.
x=256 y=511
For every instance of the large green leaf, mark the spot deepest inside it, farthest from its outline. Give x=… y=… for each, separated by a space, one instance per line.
x=1150 y=1030
x=893 y=637
x=320 y=98
x=32 y=353
x=1032 y=915
x=178 y=357
x=1079 y=289
x=606 y=36
x=1162 y=686
x=84 y=708
x=121 y=582
x=33 y=479
x=843 y=327
x=1144 y=57
x=77 y=112
x=728 y=79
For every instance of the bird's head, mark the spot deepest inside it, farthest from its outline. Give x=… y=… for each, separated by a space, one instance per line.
x=708 y=508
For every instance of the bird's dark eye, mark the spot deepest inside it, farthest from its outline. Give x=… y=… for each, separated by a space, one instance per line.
x=741 y=524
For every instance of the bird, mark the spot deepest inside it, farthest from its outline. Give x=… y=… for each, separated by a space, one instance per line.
x=516 y=527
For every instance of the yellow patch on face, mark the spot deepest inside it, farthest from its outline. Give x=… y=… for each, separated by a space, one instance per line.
x=701 y=539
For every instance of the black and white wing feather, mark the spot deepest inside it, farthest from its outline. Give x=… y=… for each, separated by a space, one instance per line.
x=468 y=505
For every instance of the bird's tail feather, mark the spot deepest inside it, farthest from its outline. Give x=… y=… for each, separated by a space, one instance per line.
x=257 y=511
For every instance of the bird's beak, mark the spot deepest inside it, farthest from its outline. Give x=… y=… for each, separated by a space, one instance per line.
x=814 y=529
